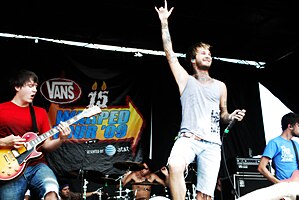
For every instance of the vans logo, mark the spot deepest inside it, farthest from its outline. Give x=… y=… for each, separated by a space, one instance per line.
x=60 y=90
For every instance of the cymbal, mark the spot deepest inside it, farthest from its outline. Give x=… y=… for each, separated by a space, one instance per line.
x=129 y=165
x=145 y=183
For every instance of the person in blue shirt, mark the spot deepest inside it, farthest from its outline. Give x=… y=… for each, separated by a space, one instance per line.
x=283 y=155
x=281 y=151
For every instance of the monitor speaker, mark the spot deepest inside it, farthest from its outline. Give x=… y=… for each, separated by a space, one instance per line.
x=244 y=184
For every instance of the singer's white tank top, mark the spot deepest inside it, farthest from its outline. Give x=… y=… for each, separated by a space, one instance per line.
x=200 y=109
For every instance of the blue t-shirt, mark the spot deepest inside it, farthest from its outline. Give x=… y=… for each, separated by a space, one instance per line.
x=283 y=156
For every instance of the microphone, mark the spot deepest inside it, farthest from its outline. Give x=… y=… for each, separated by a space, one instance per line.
x=230 y=125
x=92 y=141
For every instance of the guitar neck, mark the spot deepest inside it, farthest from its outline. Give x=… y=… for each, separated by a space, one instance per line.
x=41 y=138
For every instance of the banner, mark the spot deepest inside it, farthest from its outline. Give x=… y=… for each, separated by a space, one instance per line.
x=96 y=142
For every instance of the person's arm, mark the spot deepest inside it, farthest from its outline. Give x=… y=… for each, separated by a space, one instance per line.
x=125 y=176
x=180 y=74
x=226 y=117
x=158 y=179
x=164 y=171
x=262 y=168
x=12 y=141
x=89 y=194
x=64 y=131
x=128 y=178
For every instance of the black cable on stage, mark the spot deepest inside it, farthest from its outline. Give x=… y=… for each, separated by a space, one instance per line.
x=225 y=164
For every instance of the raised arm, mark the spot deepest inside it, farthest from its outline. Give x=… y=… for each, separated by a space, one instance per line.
x=180 y=74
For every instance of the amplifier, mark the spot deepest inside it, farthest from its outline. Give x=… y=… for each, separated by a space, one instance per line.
x=244 y=184
x=249 y=165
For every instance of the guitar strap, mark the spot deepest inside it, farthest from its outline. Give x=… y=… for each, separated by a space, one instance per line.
x=34 y=124
x=296 y=152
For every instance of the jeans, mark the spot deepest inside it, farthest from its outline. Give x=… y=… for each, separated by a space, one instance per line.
x=38 y=178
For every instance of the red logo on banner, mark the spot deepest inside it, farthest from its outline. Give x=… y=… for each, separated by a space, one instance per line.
x=60 y=90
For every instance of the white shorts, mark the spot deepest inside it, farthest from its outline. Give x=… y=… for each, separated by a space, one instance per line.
x=208 y=158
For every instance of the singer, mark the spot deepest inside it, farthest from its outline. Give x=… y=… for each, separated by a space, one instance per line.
x=203 y=101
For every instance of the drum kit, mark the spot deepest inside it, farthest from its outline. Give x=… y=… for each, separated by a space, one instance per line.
x=130 y=166
x=106 y=182
x=126 y=193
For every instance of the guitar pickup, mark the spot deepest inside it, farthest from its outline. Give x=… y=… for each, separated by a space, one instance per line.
x=17 y=152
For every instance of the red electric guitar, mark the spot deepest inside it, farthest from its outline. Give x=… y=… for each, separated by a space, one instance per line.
x=13 y=161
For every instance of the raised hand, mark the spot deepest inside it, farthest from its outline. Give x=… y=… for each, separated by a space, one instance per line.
x=163 y=12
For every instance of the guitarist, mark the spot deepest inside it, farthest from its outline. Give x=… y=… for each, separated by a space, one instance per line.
x=282 y=153
x=15 y=121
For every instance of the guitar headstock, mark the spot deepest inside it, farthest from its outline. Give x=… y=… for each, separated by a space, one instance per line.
x=91 y=111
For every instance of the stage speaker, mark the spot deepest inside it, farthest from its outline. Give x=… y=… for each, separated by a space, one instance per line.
x=244 y=184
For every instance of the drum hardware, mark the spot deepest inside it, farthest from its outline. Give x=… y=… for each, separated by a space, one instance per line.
x=84 y=175
x=126 y=196
x=194 y=192
x=120 y=186
x=166 y=192
x=188 y=195
x=85 y=188
x=127 y=191
x=100 y=193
